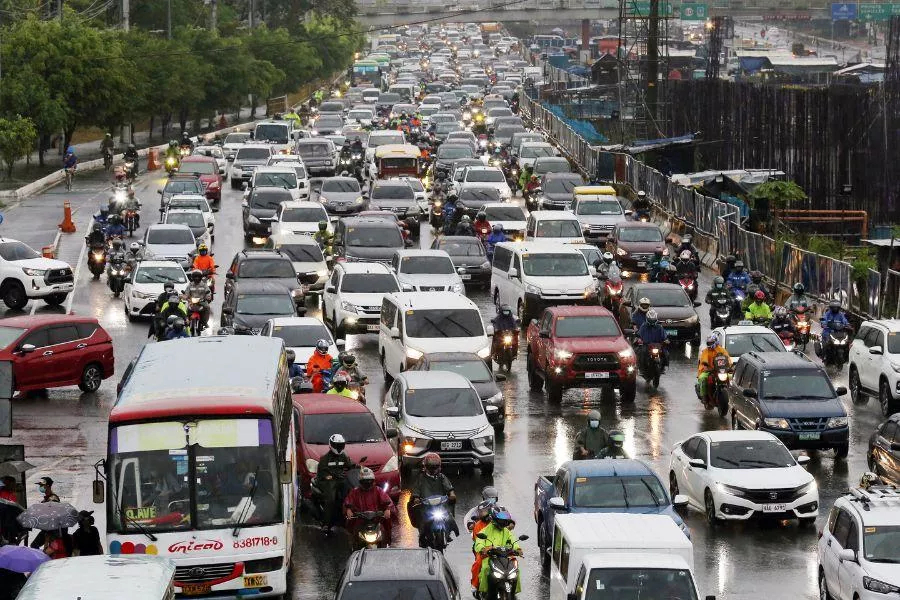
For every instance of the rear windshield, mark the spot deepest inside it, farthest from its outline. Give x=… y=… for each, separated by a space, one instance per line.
x=314 y=150
x=170 y=236
x=380 y=139
x=303 y=214
x=552 y=166
x=619 y=492
x=369 y=283
x=444 y=323
x=265 y=304
x=253 y=153
x=299 y=336
x=504 y=213
x=484 y=176
x=535 y=151
x=394 y=590
x=374 y=237
x=480 y=195
x=184 y=186
x=455 y=152
x=193 y=220
x=236 y=138
x=558 y=228
x=426 y=265
x=393 y=192
x=357 y=428
x=462 y=248
x=640 y=234
x=274 y=268
x=199 y=167
x=272 y=132
x=331 y=107
x=302 y=252
x=599 y=207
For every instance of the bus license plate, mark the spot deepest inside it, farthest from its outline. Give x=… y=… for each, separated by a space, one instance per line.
x=809 y=435
x=195 y=589
x=255 y=581
x=451 y=445
x=601 y=375
x=371 y=327
x=465 y=277
x=774 y=508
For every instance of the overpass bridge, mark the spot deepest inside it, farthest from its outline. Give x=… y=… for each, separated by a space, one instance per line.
x=384 y=13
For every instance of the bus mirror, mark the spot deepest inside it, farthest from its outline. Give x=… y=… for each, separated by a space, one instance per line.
x=285 y=474
x=98 y=491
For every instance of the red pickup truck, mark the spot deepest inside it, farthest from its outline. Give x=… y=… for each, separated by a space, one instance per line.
x=579 y=346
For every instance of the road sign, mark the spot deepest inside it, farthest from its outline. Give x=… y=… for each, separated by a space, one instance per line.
x=694 y=11
x=641 y=8
x=876 y=12
x=843 y=11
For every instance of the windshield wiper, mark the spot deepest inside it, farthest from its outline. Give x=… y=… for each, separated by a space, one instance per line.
x=244 y=512
x=728 y=460
x=140 y=527
x=652 y=493
x=761 y=462
x=624 y=494
x=892 y=561
x=774 y=397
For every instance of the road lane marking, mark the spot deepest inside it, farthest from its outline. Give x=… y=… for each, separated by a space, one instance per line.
x=77 y=274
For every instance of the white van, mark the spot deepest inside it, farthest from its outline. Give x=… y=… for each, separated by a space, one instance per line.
x=596 y=554
x=554 y=226
x=529 y=276
x=147 y=577
x=413 y=323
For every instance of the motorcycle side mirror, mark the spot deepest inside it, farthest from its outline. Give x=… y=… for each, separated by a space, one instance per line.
x=697 y=303
x=330 y=289
x=340 y=343
x=489 y=330
x=499 y=377
x=629 y=212
x=522 y=538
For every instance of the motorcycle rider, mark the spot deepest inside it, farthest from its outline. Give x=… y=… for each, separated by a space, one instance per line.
x=651 y=332
x=132 y=203
x=532 y=185
x=346 y=150
x=738 y=277
x=172 y=151
x=504 y=321
x=758 y=310
x=607 y=265
x=781 y=321
x=131 y=155
x=347 y=363
x=496 y=237
x=116 y=251
x=639 y=315
x=323 y=237
x=357 y=146
x=685 y=265
x=135 y=254
x=658 y=264
x=590 y=440
x=687 y=243
x=173 y=306
x=481 y=225
x=115 y=229
x=176 y=330
x=464 y=227
x=480 y=515
x=706 y=362
x=431 y=482
x=756 y=283
x=615 y=448
x=70 y=160
x=186 y=141
x=496 y=534
x=294 y=370
x=833 y=316
x=198 y=289
x=107 y=146
x=96 y=238
x=798 y=298
x=368 y=497
x=204 y=262
x=718 y=290
x=331 y=479
x=320 y=360
x=339 y=386
x=641 y=205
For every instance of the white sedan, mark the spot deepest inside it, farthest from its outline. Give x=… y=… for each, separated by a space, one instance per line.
x=300 y=334
x=736 y=475
x=147 y=283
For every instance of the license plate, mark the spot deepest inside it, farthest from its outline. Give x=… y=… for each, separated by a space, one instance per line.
x=195 y=589
x=774 y=508
x=807 y=435
x=641 y=263
x=672 y=332
x=451 y=445
x=371 y=327
x=255 y=581
x=465 y=277
x=601 y=375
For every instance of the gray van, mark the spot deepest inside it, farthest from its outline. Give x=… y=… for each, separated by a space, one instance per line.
x=317 y=155
x=366 y=239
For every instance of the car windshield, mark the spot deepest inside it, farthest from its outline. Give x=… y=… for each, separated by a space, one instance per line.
x=312 y=214
x=374 y=237
x=199 y=167
x=314 y=150
x=8 y=335
x=331 y=107
x=380 y=139
x=389 y=98
x=462 y=248
x=536 y=151
x=551 y=166
x=740 y=343
x=302 y=252
x=750 y=454
x=634 y=583
x=554 y=265
x=171 y=274
x=393 y=192
x=356 y=427
x=784 y=385
x=329 y=122
x=447 y=127
x=473 y=370
x=665 y=297
x=286 y=180
x=618 y=492
x=253 y=153
x=266 y=268
x=479 y=195
x=271 y=132
x=453 y=152
x=504 y=213
x=268 y=200
x=444 y=323
x=640 y=234
x=484 y=176
x=265 y=304
x=369 y=283
x=426 y=265
x=500 y=111
x=236 y=138
x=893 y=342
x=403 y=589
x=558 y=228
x=17 y=251
x=415 y=184
x=198 y=203
x=586 y=326
x=359 y=114
x=183 y=186
x=446 y=402
x=176 y=236
x=301 y=336
x=340 y=185
x=592 y=255
x=881 y=544
x=192 y=219
x=599 y=207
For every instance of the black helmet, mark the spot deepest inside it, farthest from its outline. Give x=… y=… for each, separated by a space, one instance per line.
x=799 y=288
x=322 y=347
x=497 y=228
x=730 y=259
x=291 y=356
x=323 y=225
x=196 y=275
x=337 y=442
x=348 y=359
x=481 y=216
x=658 y=253
x=739 y=265
x=97 y=227
x=718 y=282
x=340 y=382
x=834 y=306
x=168 y=286
x=755 y=276
x=131 y=146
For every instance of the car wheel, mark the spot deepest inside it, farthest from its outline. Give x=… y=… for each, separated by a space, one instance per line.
x=339 y=331
x=543 y=547
x=856 y=393
x=554 y=392
x=673 y=484
x=14 y=296
x=710 y=509
x=824 y=594
x=841 y=451
x=535 y=381
x=387 y=376
x=884 y=398
x=91 y=377
x=56 y=299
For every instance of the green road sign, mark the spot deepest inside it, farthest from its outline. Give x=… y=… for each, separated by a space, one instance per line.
x=694 y=11
x=877 y=12
x=641 y=8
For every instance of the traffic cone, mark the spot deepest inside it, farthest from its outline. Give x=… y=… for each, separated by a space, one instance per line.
x=153 y=159
x=67 y=225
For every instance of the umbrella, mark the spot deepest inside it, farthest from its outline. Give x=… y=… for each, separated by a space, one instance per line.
x=48 y=516
x=21 y=559
x=14 y=467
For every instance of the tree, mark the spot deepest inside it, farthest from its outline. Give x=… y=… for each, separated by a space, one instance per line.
x=17 y=138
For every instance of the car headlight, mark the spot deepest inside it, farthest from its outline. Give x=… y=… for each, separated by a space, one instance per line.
x=34 y=272
x=297 y=293
x=348 y=306
x=458 y=288
x=142 y=295
x=312 y=466
x=896 y=367
x=730 y=489
x=777 y=423
x=562 y=354
x=809 y=487
x=486 y=265
x=485 y=352
x=626 y=353
x=621 y=252
x=391 y=465
x=836 y=422
x=692 y=320
x=359 y=200
x=415 y=354
x=495 y=399
x=875 y=585
x=590 y=290
x=486 y=441
x=532 y=289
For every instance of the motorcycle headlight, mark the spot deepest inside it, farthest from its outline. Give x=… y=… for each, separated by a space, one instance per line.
x=195 y=300
x=348 y=306
x=777 y=423
x=254 y=220
x=722 y=376
x=370 y=537
x=359 y=200
x=312 y=466
x=34 y=272
x=508 y=339
x=836 y=422
x=391 y=465
x=414 y=354
x=484 y=352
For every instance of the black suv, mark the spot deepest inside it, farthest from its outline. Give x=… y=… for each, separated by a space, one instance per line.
x=253 y=302
x=420 y=573
x=791 y=397
x=264 y=265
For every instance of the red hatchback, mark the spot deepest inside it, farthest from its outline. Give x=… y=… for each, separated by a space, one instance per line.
x=319 y=416
x=207 y=170
x=49 y=351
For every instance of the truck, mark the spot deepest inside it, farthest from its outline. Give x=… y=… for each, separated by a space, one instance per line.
x=600 y=486
x=618 y=555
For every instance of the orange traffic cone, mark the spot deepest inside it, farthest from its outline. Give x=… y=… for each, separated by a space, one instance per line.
x=153 y=159
x=67 y=225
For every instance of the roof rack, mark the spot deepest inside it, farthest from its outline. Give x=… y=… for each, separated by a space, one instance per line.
x=882 y=495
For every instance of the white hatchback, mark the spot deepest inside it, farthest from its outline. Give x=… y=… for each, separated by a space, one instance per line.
x=300 y=334
x=146 y=283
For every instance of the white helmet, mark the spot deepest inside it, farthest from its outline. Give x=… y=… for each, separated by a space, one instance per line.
x=337 y=442
x=607 y=257
x=685 y=255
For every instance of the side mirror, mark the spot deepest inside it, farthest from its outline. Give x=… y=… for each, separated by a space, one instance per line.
x=876 y=350
x=395 y=333
x=749 y=393
x=680 y=501
x=557 y=503
x=697 y=463
x=245 y=186
x=228 y=311
x=697 y=304
x=840 y=390
x=340 y=343
x=209 y=226
x=406 y=287
x=803 y=460
x=513 y=272
x=499 y=377
x=895 y=446
x=391 y=432
x=215 y=209
x=27 y=348
x=392 y=411
x=330 y=289
x=629 y=212
x=489 y=330
x=98 y=491
x=229 y=276
x=491 y=409
x=245 y=204
x=847 y=554
x=572 y=596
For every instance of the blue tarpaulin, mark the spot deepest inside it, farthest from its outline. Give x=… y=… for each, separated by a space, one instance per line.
x=583 y=128
x=752 y=64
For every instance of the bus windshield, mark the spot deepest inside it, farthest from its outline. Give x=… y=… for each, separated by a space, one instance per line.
x=200 y=474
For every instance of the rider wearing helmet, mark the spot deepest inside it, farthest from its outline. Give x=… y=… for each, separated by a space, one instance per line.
x=480 y=515
x=172 y=150
x=496 y=236
x=96 y=238
x=339 y=386
x=464 y=227
x=781 y=321
x=324 y=237
x=131 y=155
x=639 y=314
x=756 y=283
x=177 y=330
x=717 y=291
x=320 y=360
x=347 y=362
x=294 y=370
x=172 y=306
x=482 y=225
x=641 y=204
x=832 y=317
x=798 y=298
x=706 y=362
x=331 y=479
x=758 y=310
x=738 y=277
x=651 y=332
x=368 y=497
x=496 y=534
x=616 y=446
x=505 y=320
x=726 y=266
x=659 y=263
x=135 y=253
x=204 y=261
x=687 y=243
x=684 y=264
x=198 y=293
x=115 y=229
x=430 y=482
x=590 y=440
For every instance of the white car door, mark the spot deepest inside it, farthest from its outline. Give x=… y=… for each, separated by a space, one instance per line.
x=849 y=571
x=329 y=298
x=396 y=351
x=873 y=361
x=834 y=536
x=677 y=466
x=696 y=476
x=682 y=470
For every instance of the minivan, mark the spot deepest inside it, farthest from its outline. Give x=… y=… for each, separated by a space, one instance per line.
x=598 y=210
x=529 y=276
x=366 y=239
x=278 y=134
x=413 y=323
x=553 y=225
x=317 y=155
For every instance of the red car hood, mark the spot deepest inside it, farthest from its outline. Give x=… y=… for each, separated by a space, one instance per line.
x=590 y=345
x=376 y=453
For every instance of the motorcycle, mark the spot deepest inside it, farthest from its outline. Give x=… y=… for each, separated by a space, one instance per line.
x=532 y=197
x=130 y=220
x=195 y=314
x=130 y=170
x=835 y=351
x=172 y=165
x=316 y=502
x=115 y=277
x=721 y=313
x=612 y=294
x=801 y=327
x=107 y=158
x=642 y=215
x=503 y=571
x=688 y=282
x=717 y=385
x=369 y=531
x=788 y=338
x=740 y=294
x=184 y=150
x=652 y=364
x=321 y=380
x=435 y=518
x=97 y=260
x=505 y=348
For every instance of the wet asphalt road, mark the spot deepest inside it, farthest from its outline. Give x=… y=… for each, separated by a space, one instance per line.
x=64 y=435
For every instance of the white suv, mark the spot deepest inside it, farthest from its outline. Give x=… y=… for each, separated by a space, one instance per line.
x=427 y=271
x=875 y=364
x=351 y=302
x=25 y=274
x=857 y=550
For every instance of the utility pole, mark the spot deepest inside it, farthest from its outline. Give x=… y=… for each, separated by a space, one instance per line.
x=169 y=19
x=213 y=15
x=126 y=15
x=653 y=58
x=250 y=14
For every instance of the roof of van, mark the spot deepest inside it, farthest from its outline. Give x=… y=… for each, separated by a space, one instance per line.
x=432 y=300
x=435 y=380
x=622 y=530
x=146 y=577
x=540 y=246
x=594 y=190
x=553 y=215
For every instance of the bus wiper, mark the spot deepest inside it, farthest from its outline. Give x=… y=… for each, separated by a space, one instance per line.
x=244 y=515
x=141 y=528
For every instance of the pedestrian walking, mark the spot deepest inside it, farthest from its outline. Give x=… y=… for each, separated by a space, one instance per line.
x=86 y=539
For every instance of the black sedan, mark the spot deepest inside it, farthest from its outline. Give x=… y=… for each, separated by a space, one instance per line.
x=259 y=210
x=468 y=256
x=252 y=303
x=676 y=312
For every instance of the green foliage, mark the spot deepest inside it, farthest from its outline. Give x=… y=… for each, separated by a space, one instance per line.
x=779 y=194
x=17 y=137
x=824 y=246
x=861 y=262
